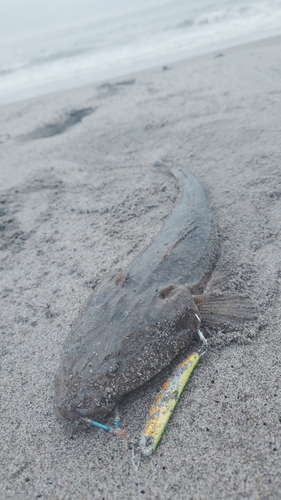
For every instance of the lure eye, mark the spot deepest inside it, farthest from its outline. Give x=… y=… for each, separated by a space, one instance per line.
x=113 y=370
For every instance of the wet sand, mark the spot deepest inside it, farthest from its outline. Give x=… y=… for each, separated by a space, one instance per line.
x=81 y=195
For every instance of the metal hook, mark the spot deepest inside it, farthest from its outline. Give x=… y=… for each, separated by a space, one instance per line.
x=205 y=345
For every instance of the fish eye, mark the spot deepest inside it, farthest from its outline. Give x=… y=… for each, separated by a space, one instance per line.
x=113 y=370
x=168 y=291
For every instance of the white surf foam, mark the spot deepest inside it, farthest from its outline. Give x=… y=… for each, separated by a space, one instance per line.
x=95 y=51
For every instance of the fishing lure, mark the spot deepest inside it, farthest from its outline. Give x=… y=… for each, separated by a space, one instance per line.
x=162 y=409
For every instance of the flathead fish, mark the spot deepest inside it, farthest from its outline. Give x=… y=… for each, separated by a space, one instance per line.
x=137 y=321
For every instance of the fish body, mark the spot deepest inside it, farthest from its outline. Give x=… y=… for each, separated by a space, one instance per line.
x=137 y=321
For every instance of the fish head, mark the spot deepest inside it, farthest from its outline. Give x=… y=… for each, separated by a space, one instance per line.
x=132 y=340
x=87 y=391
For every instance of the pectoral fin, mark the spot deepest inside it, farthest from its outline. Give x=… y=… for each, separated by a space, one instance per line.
x=226 y=308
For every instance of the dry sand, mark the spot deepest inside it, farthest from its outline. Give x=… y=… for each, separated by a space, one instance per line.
x=79 y=204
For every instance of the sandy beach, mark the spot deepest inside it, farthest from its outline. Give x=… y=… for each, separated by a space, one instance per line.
x=81 y=195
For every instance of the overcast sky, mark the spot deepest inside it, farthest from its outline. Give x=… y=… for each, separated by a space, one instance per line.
x=20 y=17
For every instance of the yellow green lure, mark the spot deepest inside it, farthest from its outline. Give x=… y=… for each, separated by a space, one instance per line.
x=162 y=409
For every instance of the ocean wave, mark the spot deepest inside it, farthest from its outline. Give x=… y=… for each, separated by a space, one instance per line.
x=14 y=68
x=59 y=55
x=184 y=24
x=95 y=51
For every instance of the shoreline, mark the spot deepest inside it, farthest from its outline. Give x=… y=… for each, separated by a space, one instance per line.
x=70 y=87
x=81 y=196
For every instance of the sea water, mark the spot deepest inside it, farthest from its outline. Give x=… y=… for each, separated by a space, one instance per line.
x=97 y=50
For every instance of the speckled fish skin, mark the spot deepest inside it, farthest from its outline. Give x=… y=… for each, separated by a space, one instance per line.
x=139 y=320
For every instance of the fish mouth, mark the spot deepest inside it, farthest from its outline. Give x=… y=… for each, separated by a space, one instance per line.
x=82 y=405
x=70 y=413
x=73 y=413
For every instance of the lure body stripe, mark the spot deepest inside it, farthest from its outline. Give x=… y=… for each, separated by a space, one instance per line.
x=165 y=403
